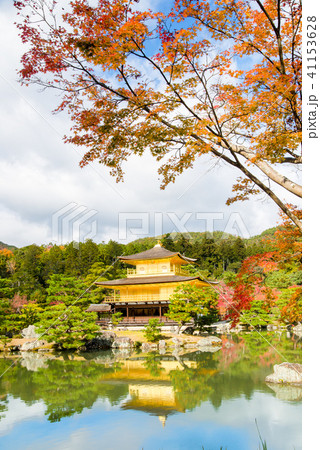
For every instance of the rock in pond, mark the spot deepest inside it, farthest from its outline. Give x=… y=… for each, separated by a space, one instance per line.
x=177 y=342
x=33 y=345
x=208 y=341
x=290 y=373
x=222 y=328
x=209 y=349
x=122 y=342
x=102 y=342
x=149 y=347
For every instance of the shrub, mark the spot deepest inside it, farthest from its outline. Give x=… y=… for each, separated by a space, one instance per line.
x=152 y=331
x=116 y=318
x=193 y=304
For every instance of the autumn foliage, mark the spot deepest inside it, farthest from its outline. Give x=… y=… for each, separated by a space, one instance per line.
x=265 y=284
x=221 y=79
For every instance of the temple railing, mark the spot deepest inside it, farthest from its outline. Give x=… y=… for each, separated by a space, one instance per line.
x=136 y=298
x=133 y=273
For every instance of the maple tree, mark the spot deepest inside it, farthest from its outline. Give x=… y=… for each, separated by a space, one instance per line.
x=225 y=298
x=18 y=302
x=265 y=289
x=6 y=258
x=206 y=78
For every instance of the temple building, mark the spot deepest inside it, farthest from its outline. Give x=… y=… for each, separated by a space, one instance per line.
x=152 y=279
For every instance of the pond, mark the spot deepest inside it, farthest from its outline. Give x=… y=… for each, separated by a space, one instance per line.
x=184 y=400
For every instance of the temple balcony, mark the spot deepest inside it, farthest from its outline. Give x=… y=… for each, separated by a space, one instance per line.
x=136 y=298
x=134 y=273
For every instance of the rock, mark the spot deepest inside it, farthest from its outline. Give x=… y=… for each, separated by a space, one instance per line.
x=177 y=352
x=286 y=373
x=187 y=330
x=14 y=347
x=122 y=342
x=145 y=347
x=148 y=347
x=190 y=345
x=222 y=328
x=272 y=327
x=82 y=348
x=29 y=332
x=174 y=329
x=297 y=330
x=102 y=342
x=238 y=328
x=109 y=334
x=207 y=342
x=33 y=345
x=177 y=342
x=209 y=349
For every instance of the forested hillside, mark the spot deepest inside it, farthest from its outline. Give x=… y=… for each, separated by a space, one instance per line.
x=7 y=246
x=29 y=269
x=259 y=277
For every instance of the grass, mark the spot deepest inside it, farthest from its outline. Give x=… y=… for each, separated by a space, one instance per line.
x=263 y=442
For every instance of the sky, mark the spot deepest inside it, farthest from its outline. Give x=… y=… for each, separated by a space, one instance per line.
x=46 y=197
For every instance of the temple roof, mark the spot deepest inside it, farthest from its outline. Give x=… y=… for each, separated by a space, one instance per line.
x=99 y=308
x=150 y=280
x=157 y=252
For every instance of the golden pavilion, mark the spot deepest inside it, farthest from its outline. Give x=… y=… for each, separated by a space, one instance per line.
x=145 y=292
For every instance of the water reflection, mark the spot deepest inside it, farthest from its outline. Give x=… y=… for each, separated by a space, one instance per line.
x=165 y=386
x=286 y=392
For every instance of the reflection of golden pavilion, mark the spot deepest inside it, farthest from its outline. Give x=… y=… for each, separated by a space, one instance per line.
x=151 y=393
x=155 y=399
x=135 y=369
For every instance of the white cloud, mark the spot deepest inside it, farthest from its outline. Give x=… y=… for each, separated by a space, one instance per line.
x=276 y=417
x=18 y=411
